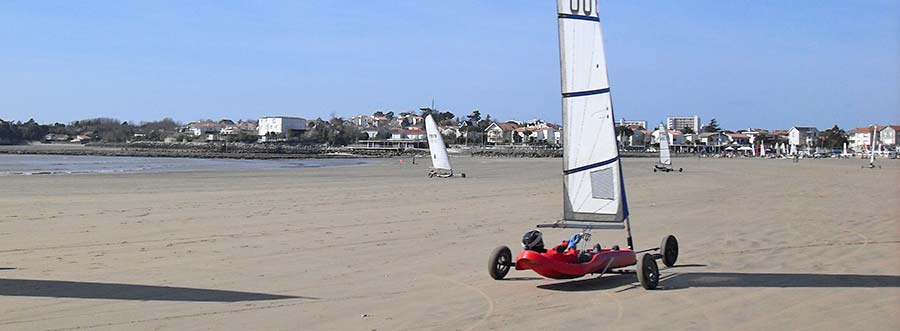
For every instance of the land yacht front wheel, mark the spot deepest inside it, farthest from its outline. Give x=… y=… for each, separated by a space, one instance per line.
x=668 y=248
x=647 y=272
x=499 y=263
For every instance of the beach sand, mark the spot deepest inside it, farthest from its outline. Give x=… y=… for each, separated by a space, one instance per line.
x=765 y=244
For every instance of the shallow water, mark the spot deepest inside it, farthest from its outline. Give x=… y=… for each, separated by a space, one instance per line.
x=66 y=164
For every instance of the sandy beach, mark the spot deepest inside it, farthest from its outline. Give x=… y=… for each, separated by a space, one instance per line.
x=765 y=244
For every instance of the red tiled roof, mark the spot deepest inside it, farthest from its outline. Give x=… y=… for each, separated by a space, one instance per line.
x=507 y=126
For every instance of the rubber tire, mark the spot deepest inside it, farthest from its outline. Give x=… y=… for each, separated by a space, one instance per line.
x=498 y=256
x=654 y=169
x=680 y=170
x=430 y=175
x=668 y=248
x=647 y=272
x=463 y=175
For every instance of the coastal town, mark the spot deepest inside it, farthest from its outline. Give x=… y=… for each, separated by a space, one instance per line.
x=405 y=131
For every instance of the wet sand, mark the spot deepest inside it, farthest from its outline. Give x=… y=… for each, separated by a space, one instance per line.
x=765 y=244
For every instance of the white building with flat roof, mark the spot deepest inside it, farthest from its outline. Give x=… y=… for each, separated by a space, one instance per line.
x=681 y=122
x=280 y=125
x=803 y=136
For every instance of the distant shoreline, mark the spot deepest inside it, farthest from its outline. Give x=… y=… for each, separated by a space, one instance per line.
x=172 y=151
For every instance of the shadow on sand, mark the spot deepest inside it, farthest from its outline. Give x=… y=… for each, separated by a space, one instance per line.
x=734 y=279
x=519 y=279
x=677 y=281
x=695 y=265
x=87 y=290
x=592 y=284
x=6 y=268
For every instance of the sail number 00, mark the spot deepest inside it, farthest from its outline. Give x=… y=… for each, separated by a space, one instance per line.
x=579 y=5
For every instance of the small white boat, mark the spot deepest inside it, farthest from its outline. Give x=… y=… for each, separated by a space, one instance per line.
x=872 y=149
x=440 y=161
x=665 y=158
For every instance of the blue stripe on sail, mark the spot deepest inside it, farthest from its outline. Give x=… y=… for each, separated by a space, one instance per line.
x=584 y=93
x=590 y=166
x=580 y=17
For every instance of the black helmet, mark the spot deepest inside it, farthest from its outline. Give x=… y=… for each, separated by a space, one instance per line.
x=533 y=240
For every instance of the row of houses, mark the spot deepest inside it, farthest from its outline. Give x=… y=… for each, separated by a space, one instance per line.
x=802 y=137
x=533 y=132
x=860 y=139
x=267 y=128
x=409 y=127
x=402 y=120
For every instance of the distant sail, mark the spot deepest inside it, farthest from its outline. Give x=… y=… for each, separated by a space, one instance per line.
x=664 y=157
x=872 y=150
x=762 y=148
x=436 y=146
x=845 y=149
x=594 y=190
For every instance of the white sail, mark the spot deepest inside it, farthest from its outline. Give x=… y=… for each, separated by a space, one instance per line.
x=845 y=149
x=664 y=157
x=762 y=149
x=439 y=158
x=593 y=187
x=872 y=153
x=793 y=149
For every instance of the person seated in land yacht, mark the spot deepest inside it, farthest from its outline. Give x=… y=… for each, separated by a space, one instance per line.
x=533 y=241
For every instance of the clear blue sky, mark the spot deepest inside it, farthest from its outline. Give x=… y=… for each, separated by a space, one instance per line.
x=770 y=64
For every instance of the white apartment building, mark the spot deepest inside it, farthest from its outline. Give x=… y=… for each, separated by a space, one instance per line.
x=803 y=136
x=280 y=125
x=681 y=122
x=861 y=138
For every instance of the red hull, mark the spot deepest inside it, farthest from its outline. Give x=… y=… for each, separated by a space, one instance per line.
x=564 y=265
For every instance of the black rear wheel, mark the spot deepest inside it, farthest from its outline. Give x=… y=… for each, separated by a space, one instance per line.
x=499 y=263
x=647 y=272
x=669 y=249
